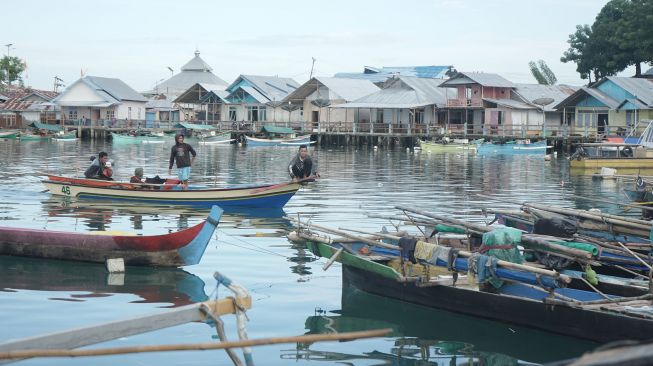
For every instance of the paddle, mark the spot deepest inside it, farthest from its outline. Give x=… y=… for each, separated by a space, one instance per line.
x=280 y=185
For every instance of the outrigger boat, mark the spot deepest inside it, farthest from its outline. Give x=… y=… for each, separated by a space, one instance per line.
x=176 y=249
x=263 y=196
x=433 y=274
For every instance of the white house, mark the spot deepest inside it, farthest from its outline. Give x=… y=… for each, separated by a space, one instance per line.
x=93 y=99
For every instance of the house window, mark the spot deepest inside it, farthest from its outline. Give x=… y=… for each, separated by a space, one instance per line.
x=301 y=111
x=252 y=114
x=72 y=114
x=419 y=116
x=111 y=114
x=379 y=115
x=262 y=114
x=468 y=93
x=232 y=113
x=630 y=118
x=129 y=112
x=139 y=113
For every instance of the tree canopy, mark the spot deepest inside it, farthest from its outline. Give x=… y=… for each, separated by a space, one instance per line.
x=10 y=70
x=621 y=36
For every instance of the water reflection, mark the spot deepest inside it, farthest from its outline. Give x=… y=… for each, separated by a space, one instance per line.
x=170 y=286
x=425 y=331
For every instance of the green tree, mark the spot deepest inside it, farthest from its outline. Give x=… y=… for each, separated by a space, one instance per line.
x=10 y=70
x=634 y=34
x=542 y=73
x=579 y=51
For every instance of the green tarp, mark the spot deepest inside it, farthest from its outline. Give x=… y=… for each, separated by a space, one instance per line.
x=442 y=228
x=44 y=126
x=194 y=126
x=275 y=129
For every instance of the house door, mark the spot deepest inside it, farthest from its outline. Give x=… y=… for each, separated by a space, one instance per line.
x=315 y=116
x=602 y=124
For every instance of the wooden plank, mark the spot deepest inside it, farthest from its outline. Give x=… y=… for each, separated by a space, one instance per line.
x=85 y=336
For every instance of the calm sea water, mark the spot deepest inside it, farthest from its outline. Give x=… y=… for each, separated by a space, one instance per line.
x=291 y=293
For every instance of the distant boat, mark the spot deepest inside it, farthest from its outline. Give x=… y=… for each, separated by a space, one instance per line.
x=9 y=134
x=64 y=137
x=297 y=141
x=176 y=249
x=443 y=146
x=278 y=136
x=515 y=147
x=149 y=138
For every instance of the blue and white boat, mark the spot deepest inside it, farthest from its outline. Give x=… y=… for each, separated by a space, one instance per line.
x=515 y=147
x=297 y=141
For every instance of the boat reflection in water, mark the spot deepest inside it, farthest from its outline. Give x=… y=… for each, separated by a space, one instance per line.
x=171 y=287
x=424 y=336
x=100 y=215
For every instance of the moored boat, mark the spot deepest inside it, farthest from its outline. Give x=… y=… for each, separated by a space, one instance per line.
x=176 y=249
x=11 y=134
x=68 y=136
x=297 y=141
x=611 y=155
x=457 y=145
x=147 y=138
x=516 y=147
x=263 y=196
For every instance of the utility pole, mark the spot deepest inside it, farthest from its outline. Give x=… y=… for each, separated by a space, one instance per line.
x=57 y=83
x=312 y=65
x=8 y=45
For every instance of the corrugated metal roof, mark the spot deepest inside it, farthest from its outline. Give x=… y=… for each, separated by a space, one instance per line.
x=15 y=104
x=45 y=126
x=635 y=102
x=196 y=64
x=482 y=78
x=253 y=93
x=272 y=87
x=405 y=92
x=339 y=88
x=531 y=92
x=193 y=126
x=378 y=75
x=115 y=88
x=642 y=89
x=510 y=103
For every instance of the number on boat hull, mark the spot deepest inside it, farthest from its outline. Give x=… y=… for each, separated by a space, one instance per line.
x=65 y=190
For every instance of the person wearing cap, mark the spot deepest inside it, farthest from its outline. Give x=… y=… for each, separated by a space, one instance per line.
x=180 y=154
x=100 y=167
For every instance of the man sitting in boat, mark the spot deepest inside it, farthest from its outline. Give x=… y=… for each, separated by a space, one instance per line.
x=100 y=168
x=301 y=166
x=181 y=155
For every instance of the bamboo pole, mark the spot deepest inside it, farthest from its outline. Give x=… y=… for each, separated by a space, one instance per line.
x=503 y=263
x=577 y=253
x=194 y=347
x=342 y=233
x=614 y=202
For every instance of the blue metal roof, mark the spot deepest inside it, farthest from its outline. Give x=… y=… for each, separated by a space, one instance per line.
x=376 y=75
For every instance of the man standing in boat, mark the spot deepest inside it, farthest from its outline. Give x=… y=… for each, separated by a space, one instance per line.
x=181 y=155
x=301 y=166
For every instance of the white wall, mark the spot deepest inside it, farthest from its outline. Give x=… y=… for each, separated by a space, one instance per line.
x=79 y=92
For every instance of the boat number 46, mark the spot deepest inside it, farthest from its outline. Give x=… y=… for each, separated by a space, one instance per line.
x=65 y=190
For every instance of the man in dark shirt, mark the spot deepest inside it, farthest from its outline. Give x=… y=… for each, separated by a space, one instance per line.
x=181 y=155
x=301 y=166
x=100 y=168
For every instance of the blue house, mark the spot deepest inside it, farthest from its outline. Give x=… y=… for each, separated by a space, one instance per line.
x=254 y=98
x=612 y=106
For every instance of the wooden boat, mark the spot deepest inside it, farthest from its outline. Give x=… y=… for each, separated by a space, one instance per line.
x=9 y=134
x=516 y=147
x=457 y=145
x=223 y=138
x=263 y=196
x=150 y=285
x=176 y=249
x=611 y=155
x=34 y=137
x=147 y=138
x=288 y=142
x=588 y=316
x=65 y=137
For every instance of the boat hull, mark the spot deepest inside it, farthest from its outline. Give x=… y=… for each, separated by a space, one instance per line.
x=446 y=148
x=267 y=196
x=302 y=140
x=9 y=134
x=488 y=148
x=378 y=279
x=118 y=138
x=176 y=249
x=625 y=163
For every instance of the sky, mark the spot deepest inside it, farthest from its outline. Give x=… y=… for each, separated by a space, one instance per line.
x=136 y=41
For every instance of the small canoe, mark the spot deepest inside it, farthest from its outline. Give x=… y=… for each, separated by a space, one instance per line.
x=260 y=196
x=445 y=147
x=138 y=139
x=64 y=137
x=176 y=249
x=9 y=134
x=297 y=141
x=519 y=147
